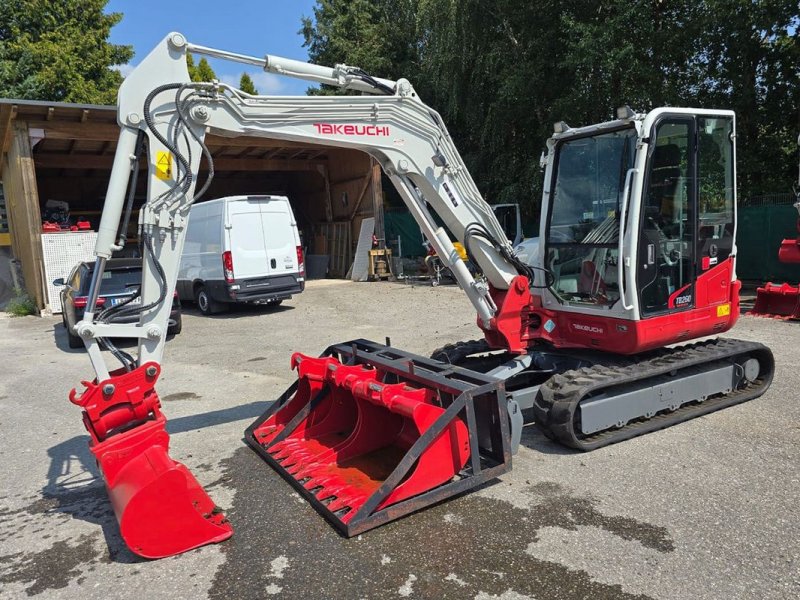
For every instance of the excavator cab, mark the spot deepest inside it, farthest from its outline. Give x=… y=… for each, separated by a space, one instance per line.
x=641 y=225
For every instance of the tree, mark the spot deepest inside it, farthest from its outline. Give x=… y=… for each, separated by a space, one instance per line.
x=749 y=61
x=502 y=72
x=246 y=84
x=200 y=72
x=379 y=36
x=58 y=50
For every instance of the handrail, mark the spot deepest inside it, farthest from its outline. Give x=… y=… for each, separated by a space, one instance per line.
x=626 y=192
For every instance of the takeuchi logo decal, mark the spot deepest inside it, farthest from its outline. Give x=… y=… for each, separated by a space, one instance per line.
x=362 y=130
x=587 y=328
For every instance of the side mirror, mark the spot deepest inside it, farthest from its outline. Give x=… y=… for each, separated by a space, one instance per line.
x=58 y=282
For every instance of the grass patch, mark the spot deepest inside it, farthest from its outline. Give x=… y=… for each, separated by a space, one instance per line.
x=21 y=304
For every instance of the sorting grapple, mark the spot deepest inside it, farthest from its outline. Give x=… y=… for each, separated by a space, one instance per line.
x=161 y=508
x=369 y=433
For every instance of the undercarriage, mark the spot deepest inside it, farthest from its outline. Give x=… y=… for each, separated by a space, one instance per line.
x=589 y=400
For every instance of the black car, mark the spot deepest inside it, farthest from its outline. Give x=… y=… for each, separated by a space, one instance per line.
x=121 y=278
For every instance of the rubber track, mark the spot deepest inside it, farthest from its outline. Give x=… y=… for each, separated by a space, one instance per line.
x=455 y=353
x=559 y=397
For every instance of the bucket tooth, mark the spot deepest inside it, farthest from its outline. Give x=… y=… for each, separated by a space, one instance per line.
x=367 y=428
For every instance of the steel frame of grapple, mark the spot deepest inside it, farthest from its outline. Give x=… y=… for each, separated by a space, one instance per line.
x=467 y=387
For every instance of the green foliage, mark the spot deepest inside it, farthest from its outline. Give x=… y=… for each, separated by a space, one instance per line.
x=200 y=72
x=378 y=36
x=58 y=50
x=502 y=72
x=21 y=304
x=246 y=84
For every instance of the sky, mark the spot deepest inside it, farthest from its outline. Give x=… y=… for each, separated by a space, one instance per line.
x=253 y=27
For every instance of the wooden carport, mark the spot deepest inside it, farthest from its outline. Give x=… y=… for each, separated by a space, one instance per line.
x=58 y=151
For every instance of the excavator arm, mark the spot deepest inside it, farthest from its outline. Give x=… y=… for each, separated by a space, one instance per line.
x=159 y=104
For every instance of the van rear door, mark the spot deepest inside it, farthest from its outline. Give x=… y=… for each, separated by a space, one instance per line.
x=246 y=235
x=279 y=235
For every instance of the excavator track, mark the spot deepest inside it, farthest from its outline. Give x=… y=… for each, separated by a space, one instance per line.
x=556 y=406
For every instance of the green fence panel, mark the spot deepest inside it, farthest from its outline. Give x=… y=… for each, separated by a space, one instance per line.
x=760 y=232
x=400 y=223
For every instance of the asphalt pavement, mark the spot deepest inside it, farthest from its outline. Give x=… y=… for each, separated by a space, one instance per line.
x=706 y=509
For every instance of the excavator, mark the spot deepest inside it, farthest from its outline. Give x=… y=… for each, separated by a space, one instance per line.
x=635 y=257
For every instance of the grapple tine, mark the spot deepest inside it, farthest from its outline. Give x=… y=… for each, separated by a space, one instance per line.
x=373 y=428
x=161 y=508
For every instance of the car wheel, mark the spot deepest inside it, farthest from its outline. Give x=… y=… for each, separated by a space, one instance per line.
x=205 y=303
x=176 y=329
x=73 y=341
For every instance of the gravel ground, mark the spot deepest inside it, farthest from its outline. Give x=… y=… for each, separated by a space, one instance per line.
x=706 y=509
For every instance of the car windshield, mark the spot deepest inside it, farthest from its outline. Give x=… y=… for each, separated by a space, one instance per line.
x=119 y=281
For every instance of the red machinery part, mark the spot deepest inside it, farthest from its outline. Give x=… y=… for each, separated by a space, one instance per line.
x=351 y=443
x=789 y=252
x=370 y=441
x=161 y=508
x=777 y=301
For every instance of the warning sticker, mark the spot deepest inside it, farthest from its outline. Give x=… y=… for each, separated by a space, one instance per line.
x=723 y=310
x=164 y=165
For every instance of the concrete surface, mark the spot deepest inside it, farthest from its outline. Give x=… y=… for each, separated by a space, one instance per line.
x=706 y=509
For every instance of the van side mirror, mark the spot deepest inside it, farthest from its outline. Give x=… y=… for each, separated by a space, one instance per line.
x=58 y=282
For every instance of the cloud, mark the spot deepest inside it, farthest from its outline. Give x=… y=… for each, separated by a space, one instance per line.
x=124 y=70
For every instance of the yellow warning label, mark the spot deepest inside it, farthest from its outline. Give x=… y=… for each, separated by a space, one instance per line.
x=723 y=310
x=164 y=165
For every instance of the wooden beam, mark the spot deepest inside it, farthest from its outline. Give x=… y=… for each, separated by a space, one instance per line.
x=7 y=114
x=377 y=202
x=367 y=181
x=109 y=132
x=323 y=170
x=97 y=161
x=63 y=130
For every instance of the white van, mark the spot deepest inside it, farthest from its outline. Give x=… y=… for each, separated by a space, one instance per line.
x=241 y=249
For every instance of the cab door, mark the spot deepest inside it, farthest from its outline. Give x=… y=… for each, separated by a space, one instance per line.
x=666 y=268
x=687 y=215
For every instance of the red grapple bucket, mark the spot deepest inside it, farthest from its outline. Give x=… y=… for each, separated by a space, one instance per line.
x=161 y=508
x=777 y=301
x=356 y=439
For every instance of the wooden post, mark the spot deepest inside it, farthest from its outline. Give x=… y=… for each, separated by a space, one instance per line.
x=377 y=202
x=24 y=216
x=323 y=170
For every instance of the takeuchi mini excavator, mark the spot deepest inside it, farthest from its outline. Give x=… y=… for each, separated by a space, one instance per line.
x=637 y=254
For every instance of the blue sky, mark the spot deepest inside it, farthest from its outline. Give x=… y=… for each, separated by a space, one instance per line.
x=245 y=26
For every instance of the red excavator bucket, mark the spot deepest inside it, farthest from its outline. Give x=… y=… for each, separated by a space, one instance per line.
x=161 y=508
x=368 y=433
x=777 y=301
x=789 y=252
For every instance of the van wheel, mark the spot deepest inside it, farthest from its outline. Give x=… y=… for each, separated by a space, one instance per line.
x=206 y=304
